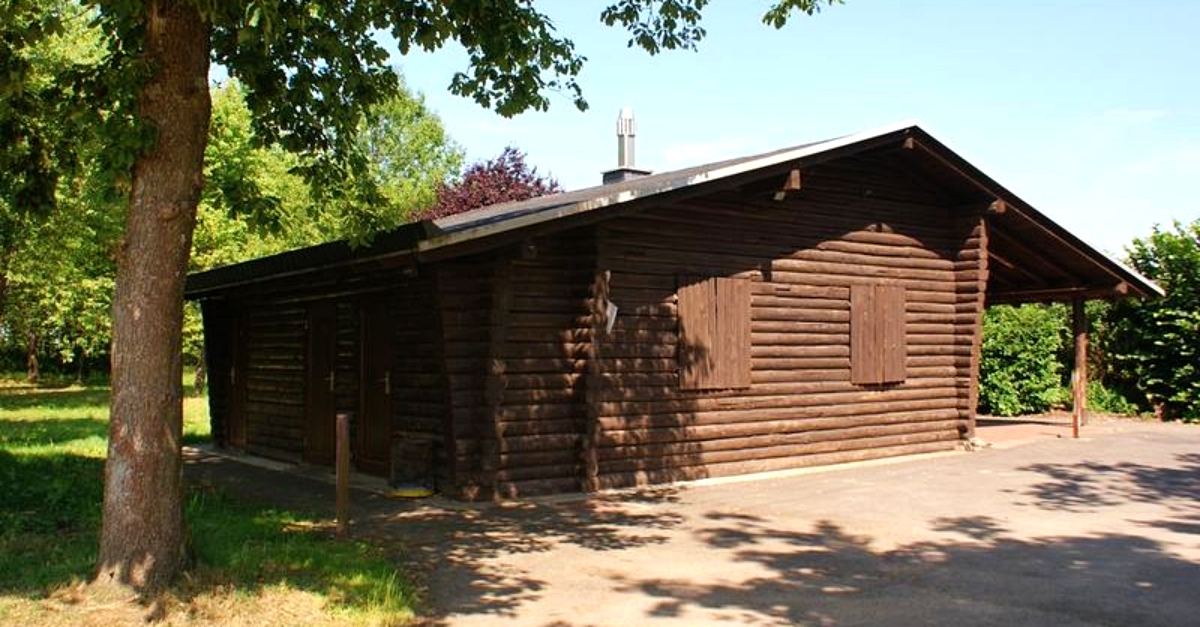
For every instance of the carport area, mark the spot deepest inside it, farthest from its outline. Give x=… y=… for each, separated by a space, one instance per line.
x=1104 y=530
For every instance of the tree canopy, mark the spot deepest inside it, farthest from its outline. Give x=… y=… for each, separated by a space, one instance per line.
x=505 y=178
x=1155 y=347
x=311 y=72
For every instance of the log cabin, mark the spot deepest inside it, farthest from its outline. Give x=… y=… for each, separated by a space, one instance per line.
x=814 y=305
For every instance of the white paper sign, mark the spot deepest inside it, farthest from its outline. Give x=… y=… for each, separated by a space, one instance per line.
x=611 y=313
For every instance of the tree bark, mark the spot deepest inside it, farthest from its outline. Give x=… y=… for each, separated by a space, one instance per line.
x=200 y=380
x=142 y=536
x=33 y=372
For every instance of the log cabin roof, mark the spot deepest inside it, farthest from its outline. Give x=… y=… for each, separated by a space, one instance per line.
x=1031 y=258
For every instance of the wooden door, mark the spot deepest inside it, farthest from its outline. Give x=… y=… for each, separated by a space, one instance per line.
x=321 y=383
x=238 y=370
x=374 y=441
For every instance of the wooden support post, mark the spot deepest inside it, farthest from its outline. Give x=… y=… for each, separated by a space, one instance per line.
x=973 y=301
x=343 y=474
x=1079 y=376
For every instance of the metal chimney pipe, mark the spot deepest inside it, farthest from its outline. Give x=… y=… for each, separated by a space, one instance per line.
x=625 y=169
x=625 y=134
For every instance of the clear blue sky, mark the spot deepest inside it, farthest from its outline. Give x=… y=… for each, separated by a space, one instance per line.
x=1088 y=110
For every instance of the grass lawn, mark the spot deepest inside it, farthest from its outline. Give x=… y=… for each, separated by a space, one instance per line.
x=254 y=565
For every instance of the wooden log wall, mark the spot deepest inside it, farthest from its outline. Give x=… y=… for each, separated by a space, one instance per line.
x=549 y=330
x=419 y=399
x=349 y=362
x=464 y=288
x=517 y=329
x=859 y=222
x=276 y=342
x=972 y=270
x=514 y=372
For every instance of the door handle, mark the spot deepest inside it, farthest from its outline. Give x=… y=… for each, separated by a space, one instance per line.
x=387 y=382
x=332 y=378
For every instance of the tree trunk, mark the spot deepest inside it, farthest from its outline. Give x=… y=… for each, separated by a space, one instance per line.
x=33 y=372
x=142 y=537
x=201 y=379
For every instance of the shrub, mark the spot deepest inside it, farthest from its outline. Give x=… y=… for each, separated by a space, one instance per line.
x=1105 y=400
x=1155 y=347
x=1019 y=370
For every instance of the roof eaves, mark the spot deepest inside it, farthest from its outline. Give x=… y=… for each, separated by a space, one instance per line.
x=520 y=216
x=966 y=168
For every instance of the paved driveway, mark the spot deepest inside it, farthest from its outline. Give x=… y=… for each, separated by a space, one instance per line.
x=1100 y=531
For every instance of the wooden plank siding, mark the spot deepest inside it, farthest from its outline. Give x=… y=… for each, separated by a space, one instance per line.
x=276 y=337
x=276 y=348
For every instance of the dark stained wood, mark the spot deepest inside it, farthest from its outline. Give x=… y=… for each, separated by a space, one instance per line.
x=342 y=498
x=374 y=438
x=974 y=293
x=493 y=435
x=879 y=334
x=733 y=332
x=595 y=380
x=512 y=374
x=321 y=381
x=238 y=384
x=714 y=333
x=697 y=333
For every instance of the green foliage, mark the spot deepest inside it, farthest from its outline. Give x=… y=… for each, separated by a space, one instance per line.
x=1019 y=370
x=48 y=51
x=1156 y=342
x=249 y=543
x=60 y=275
x=257 y=203
x=52 y=447
x=410 y=155
x=1105 y=400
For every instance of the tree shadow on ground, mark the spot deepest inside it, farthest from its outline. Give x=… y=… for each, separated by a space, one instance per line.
x=49 y=514
x=1093 y=486
x=447 y=545
x=453 y=548
x=23 y=433
x=18 y=399
x=976 y=571
x=831 y=577
x=1085 y=486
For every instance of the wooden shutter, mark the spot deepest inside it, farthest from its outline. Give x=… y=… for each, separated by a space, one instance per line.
x=878 y=343
x=714 y=333
x=863 y=339
x=733 y=331
x=894 y=343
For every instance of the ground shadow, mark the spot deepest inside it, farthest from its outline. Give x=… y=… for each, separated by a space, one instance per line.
x=446 y=547
x=832 y=577
x=49 y=515
x=54 y=399
x=14 y=433
x=977 y=570
x=1092 y=486
x=1086 y=485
